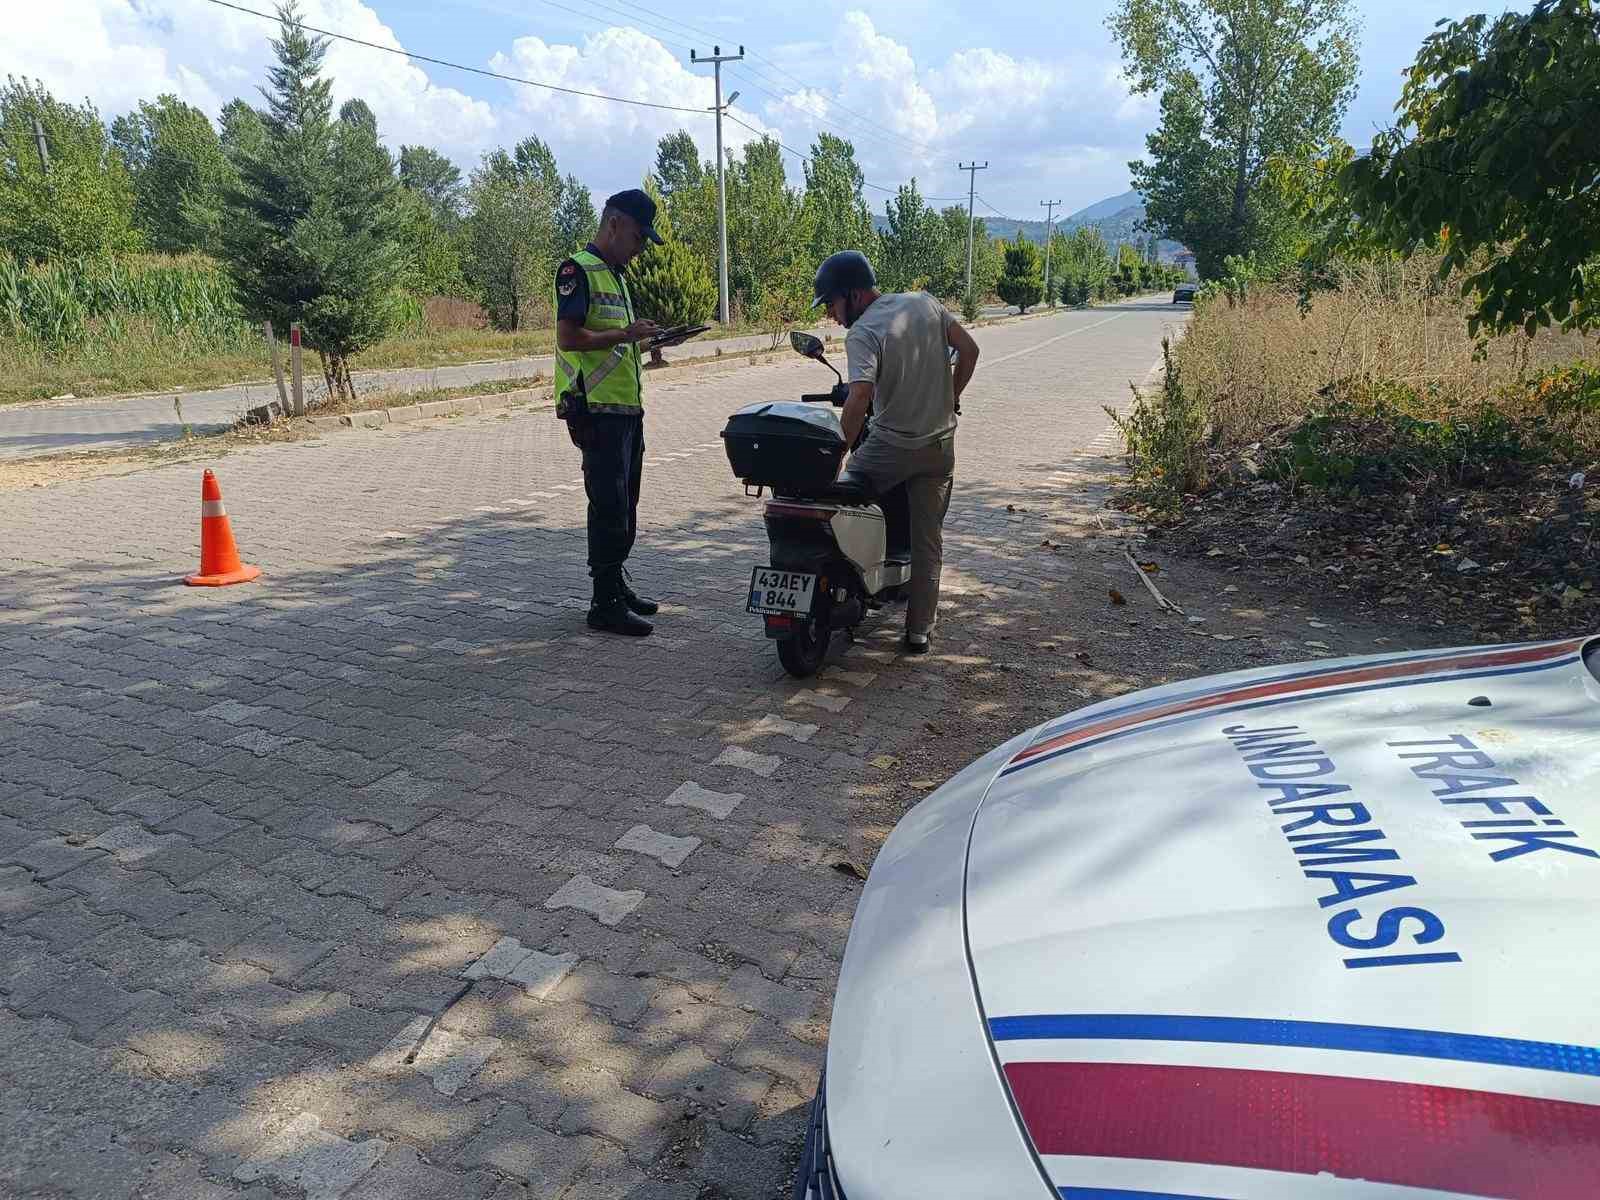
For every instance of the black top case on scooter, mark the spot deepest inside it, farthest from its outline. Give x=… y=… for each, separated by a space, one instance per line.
x=790 y=447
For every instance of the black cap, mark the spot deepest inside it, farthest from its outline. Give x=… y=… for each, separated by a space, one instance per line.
x=638 y=205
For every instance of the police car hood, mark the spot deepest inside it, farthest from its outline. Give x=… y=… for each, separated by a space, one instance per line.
x=1325 y=930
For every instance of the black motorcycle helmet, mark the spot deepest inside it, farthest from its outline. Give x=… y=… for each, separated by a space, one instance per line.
x=840 y=273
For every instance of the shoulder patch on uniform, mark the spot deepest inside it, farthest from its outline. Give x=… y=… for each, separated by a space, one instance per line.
x=567 y=286
x=569 y=267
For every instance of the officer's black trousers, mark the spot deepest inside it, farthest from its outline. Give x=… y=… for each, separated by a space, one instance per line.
x=613 y=466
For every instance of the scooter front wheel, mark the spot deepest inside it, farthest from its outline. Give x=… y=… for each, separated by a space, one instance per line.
x=802 y=653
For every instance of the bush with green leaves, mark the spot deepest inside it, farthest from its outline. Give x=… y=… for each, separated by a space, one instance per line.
x=1492 y=162
x=1022 y=281
x=1075 y=289
x=670 y=283
x=1372 y=439
x=1166 y=433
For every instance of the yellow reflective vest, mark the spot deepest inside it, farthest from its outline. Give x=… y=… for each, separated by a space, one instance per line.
x=609 y=379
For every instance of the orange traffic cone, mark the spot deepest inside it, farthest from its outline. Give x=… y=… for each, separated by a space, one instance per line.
x=219 y=557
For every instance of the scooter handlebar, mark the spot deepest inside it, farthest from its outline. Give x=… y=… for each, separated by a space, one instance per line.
x=836 y=397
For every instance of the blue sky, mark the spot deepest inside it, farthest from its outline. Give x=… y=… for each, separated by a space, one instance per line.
x=917 y=87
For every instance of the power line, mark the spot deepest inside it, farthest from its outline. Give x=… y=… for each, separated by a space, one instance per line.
x=747 y=72
x=676 y=45
x=924 y=146
x=892 y=141
x=743 y=75
x=440 y=62
x=804 y=157
x=761 y=58
x=996 y=211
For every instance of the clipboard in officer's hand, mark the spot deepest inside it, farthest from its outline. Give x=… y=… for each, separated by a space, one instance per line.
x=678 y=333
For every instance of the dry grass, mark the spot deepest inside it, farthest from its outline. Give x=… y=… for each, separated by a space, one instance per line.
x=143 y=360
x=1266 y=363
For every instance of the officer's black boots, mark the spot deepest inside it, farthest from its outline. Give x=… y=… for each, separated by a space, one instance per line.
x=635 y=602
x=610 y=611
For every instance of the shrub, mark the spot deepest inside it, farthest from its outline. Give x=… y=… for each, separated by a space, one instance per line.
x=1376 y=441
x=1022 y=282
x=1165 y=433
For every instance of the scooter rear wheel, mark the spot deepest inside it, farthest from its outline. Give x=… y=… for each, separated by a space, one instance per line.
x=802 y=653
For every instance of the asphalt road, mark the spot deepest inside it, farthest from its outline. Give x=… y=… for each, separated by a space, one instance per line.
x=54 y=427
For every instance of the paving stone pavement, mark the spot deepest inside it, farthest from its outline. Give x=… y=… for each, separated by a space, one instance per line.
x=253 y=840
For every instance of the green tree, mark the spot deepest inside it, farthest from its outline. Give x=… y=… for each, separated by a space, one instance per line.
x=180 y=174
x=84 y=203
x=576 y=220
x=1129 y=266
x=949 y=280
x=1085 y=265
x=311 y=230
x=678 y=166
x=572 y=209
x=431 y=254
x=913 y=243
x=834 y=184
x=358 y=112
x=244 y=132
x=669 y=283
x=1494 y=161
x=1240 y=84
x=436 y=179
x=988 y=260
x=770 y=229
x=1022 y=282
x=510 y=241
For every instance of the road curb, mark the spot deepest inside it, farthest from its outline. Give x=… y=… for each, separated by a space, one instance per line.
x=459 y=406
x=668 y=372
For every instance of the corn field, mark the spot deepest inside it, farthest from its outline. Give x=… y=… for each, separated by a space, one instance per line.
x=64 y=305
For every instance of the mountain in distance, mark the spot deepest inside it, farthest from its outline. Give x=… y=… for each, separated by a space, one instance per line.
x=1119 y=218
x=1110 y=207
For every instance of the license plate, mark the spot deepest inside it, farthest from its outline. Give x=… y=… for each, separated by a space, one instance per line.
x=775 y=591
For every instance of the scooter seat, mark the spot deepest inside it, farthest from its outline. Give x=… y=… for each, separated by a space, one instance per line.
x=842 y=491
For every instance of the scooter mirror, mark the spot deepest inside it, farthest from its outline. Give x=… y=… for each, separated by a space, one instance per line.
x=806 y=344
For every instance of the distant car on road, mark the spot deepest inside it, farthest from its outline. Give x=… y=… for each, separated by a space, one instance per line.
x=1184 y=293
x=1313 y=932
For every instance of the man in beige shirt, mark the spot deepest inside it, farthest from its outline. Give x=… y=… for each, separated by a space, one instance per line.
x=898 y=354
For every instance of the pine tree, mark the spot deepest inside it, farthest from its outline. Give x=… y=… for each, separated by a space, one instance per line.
x=1022 y=282
x=311 y=231
x=669 y=282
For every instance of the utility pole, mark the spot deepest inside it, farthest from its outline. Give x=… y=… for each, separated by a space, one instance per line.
x=972 y=170
x=1049 y=207
x=716 y=58
x=44 y=146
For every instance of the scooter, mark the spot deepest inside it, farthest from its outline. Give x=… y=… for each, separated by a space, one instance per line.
x=837 y=551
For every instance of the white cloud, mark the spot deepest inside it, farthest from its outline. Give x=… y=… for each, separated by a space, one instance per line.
x=1044 y=125
x=611 y=146
x=1049 y=123
x=118 y=52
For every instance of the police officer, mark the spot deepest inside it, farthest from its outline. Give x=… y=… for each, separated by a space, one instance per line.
x=599 y=396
